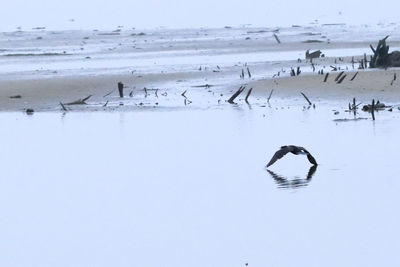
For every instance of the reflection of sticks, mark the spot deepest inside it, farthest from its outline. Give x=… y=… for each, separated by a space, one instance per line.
x=79 y=101
x=238 y=92
x=270 y=94
x=248 y=94
x=156 y=93
x=326 y=77
x=308 y=100
x=105 y=105
x=355 y=75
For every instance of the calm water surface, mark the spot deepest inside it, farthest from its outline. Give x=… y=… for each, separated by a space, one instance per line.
x=189 y=188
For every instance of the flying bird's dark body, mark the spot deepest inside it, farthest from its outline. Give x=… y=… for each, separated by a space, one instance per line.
x=297 y=150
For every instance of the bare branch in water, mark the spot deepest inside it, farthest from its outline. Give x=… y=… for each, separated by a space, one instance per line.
x=308 y=100
x=270 y=94
x=236 y=94
x=79 y=101
x=248 y=94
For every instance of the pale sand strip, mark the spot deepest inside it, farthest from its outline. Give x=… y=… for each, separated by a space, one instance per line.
x=45 y=94
x=367 y=85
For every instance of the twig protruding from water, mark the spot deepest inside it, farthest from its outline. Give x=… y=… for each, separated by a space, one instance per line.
x=270 y=94
x=236 y=94
x=373 y=109
x=248 y=94
x=308 y=100
x=63 y=107
x=121 y=89
x=277 y=38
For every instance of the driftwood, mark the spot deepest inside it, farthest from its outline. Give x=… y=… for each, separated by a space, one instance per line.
x=15 y=96
x=203 y=85
x=248 y=72
x=326 y=77
x=270 y=94
x=183 y=94
x=277 y=38
x=248 y=94
x=355 y=75
x=63 y=107
x=308 y=100
x=315 y=54
x=382 y=58
x=121 y=89
x=79 y=101
x=376 y=106
x=236 y=94
x=394 y=78
x=341 y=79
x=339 y=75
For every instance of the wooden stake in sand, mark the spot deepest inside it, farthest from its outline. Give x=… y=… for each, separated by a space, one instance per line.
x=355 y=75
x=394 y=78
x=236 y=94
x=308 y=100
x=277 y=38
x=341 y=79
x=270 y=94
x=373 y=109
x=121 y=89
x=248 y=72
x=63 y=107
x=326 y=77
x=339 y=75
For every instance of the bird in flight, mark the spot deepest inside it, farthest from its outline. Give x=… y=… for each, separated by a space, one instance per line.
x=297 y=150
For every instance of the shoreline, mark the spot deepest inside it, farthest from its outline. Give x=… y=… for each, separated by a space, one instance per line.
x=46 y=94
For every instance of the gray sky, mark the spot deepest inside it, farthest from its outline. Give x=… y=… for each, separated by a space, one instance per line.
x=56 y=14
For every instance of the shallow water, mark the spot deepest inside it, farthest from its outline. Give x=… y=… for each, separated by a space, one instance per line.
x=189 y=188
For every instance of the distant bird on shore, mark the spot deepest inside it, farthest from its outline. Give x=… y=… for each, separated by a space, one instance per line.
x=297 y=150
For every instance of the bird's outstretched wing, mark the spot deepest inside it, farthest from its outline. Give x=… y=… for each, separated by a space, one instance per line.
x=278 y=155
x=311 y=159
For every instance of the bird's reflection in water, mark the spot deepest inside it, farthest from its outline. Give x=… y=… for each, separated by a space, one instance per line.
x=285 y=183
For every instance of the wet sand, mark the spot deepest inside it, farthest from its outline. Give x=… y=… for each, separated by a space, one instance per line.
x=45 y=67
x=45 y=94
x=366 y=85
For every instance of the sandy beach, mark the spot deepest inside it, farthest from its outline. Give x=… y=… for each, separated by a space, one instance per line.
x=43 y=71
x=46 y=94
